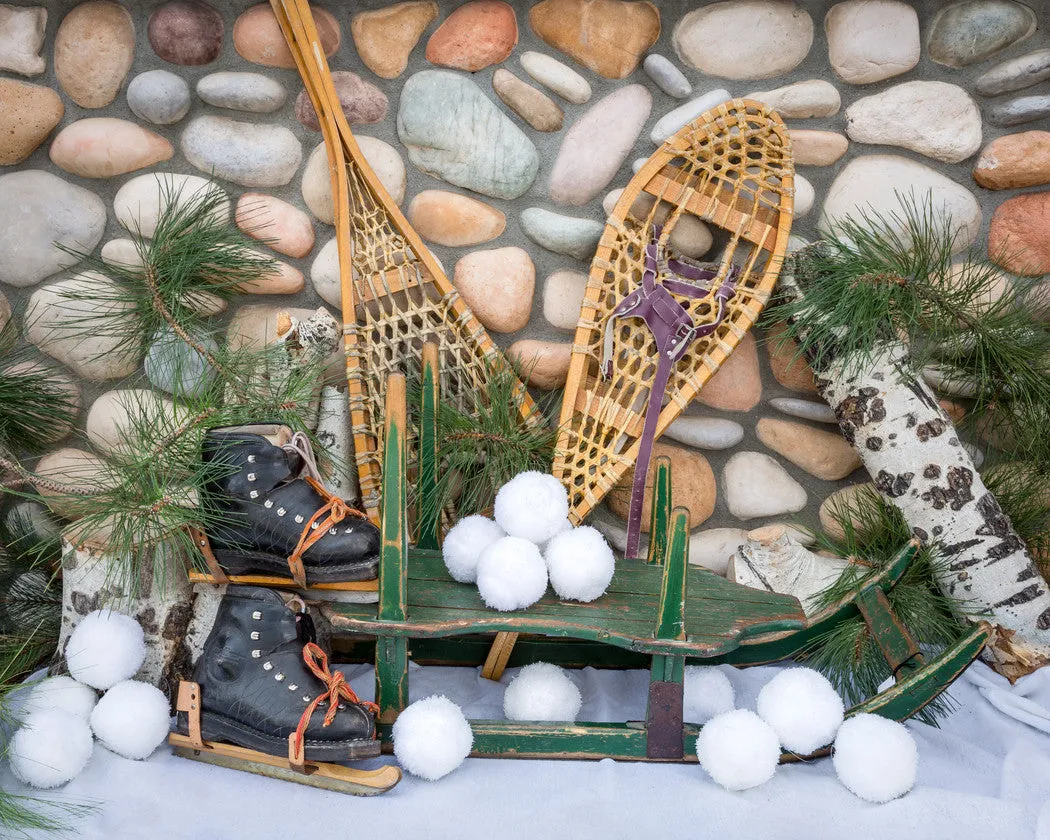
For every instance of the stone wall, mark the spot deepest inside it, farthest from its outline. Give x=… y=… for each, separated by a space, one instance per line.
x=881 y=96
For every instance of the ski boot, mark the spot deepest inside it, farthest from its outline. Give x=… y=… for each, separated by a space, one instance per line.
x=261 y=678
x=270 y=514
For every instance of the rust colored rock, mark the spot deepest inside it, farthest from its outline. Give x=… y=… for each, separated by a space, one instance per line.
x=448 y=218
x=94 y=48
x=257 y=36
x=1016 y=160
x=788 y=366
x=692 y=486
x=606 y=36
x=545 y=362
x=362 y=102
x=498 y=285
x=186 y=32
x=822 y=454
x=385 y=37
x=28 y=113
x=737 y=385
x=1019 y=236
x=476 y=35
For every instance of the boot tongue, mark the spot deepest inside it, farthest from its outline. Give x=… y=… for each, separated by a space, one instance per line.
x=274 y=433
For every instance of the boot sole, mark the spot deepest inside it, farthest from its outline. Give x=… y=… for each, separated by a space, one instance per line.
x=246 y=563
x=219 y=728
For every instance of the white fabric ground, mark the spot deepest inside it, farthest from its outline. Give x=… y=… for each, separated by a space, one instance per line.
x=984 y=774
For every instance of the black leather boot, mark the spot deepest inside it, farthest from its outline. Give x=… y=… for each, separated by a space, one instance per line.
x=266 y=518
x=256 y=686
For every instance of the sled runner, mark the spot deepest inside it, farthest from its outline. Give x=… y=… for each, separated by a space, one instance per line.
x=661 y=608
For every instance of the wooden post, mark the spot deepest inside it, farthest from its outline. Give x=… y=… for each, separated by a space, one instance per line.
x=897 y=644
x=660 y=518
x=427 y=512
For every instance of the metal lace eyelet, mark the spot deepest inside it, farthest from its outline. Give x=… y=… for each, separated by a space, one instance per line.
x=332 y=531
x=251 y=459
x=306 y=698
x=255 y=635
x=293 y=687
x=256 y=654
x=254 y=494
x=257 y=615
x=281 y=511
x=313 y=525
x=251 y=476
x=348 y=531
x=278 y=677
x=267 y=666
x=268 y=503
x=299 y=519
x=341 y=707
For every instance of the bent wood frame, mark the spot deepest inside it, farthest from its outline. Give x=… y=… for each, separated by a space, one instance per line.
x=675 y=630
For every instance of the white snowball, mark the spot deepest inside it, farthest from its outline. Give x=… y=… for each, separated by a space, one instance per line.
x=580 y=564
x=464 y=543
x=105 y=648
x=875 y=758
x=132 y=719
x=533 y=506
x=708 y=693
x=63 y=694
x=738 y=749
x=542 y=691
x=50 y=749
x=803 y=708
x=432 y=737
x=511 y=574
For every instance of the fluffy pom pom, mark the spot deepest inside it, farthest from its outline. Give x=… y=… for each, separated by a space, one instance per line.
x=738 y=749
x=580 y=564
x=63 y=694
x=464 y=543
x=875 y=758
x=105 y=648
x=511 y=574
x=542 y=692
x=803 y=708
x=50 y=749
x=432 y=737
x=131 y=719
x=533 y=506
x=708 y=693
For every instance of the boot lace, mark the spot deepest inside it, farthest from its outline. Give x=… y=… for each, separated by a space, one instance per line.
x=337 y=689
x=331 y=513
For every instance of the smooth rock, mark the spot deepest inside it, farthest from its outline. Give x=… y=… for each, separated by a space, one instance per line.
x=689 y=237
x=567 y=235
x=606 y=36
x=122 y=253
x=33 y=520
x=94 y=48
x=968 y=32
x=39 y=211
x=638 y=163
x=98 y=352
x=257 y=36
x=1015 y=74
x=843 y=504
x=58 y=382
x=497 y=285
x=385 y=37
x=756 y=485
x=555 y=76
x=317 y=182
x=252 y=92
x=324 y=274
x=805 y=409
x=789 y=368
x=935 y=119
x=1019 y=236
x=805 y=196
x=824 y=455
x=562 y=298
x=670 y=122
x=545 y=362
x=816 y=148
x=692 y=486
x=28 y=113
x=533 y=106
x=159 y=97
x=995 y=283
x=744 y=39
x=454 y=132
x=175 y=367
x=705 y=432
x=5 y=312
x=737 y=384
x=21 y=37
x=667 y=76
x=283 y=279
x=250 y=154
x=949 y=381
x=186 y=32
x=362 y=103
x=282 y=226
x=448 y=218
x=476 y=35
x=712 y=547
x=872 y=40
x=1015 y=160
x=74 y=468
x=811 y=98
x=1021 y=110
x=102 y=147
x=876 y=184
x=139 y=204
x=115 y=415
x=596 y=146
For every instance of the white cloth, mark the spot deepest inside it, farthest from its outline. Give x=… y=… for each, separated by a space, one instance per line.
x=985 y=773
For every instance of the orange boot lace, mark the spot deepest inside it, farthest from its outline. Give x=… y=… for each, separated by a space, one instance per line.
x=334 y=511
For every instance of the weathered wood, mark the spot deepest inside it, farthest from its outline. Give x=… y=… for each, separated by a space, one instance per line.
x=896 y=643
x=427 y=513
x=671 y=615
x=274 y=582
x=661 y=511
x=393 y=565
x=391 y=677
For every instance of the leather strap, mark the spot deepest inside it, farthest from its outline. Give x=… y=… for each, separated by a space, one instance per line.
x=204 y=546
x=189 y=701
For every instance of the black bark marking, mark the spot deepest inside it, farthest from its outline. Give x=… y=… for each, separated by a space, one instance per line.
x=1043 y=622
x=931 y=471
x=891 y=436
x=930 y=429
x=937 y=530
x=910 y=420
x=84 y=603
x=996 y=524
x=857 y=410
x=921 y=392
x=956 y=492
x=873 y=443
x=920 y=535
x=1029 y=593
x=891 y=485
x=148 y=619
x=952 y=549
x=1028 y=573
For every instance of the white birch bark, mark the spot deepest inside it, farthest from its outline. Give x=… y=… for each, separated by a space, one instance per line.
x=333 y=433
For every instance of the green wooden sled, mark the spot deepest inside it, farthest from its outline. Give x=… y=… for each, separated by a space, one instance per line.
x=660 y=611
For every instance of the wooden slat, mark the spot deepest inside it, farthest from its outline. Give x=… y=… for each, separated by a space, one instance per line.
x=274 y=582
x=393 y=562
x=896 y=643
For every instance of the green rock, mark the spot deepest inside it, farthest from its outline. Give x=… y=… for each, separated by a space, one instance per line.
x=968 y=32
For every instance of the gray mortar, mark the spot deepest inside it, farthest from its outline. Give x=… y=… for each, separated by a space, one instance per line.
x=816 y=65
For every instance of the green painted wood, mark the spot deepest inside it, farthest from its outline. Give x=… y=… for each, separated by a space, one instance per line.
x=896 y=643
x=393 y=562
x=429 y=516
x=391 y=677
x=671 y=612
x=667 y=669
x=661 y=511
